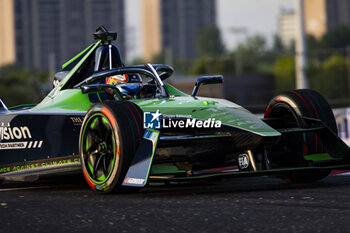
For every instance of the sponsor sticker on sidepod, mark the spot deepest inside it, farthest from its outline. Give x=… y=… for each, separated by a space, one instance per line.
x=17 y=133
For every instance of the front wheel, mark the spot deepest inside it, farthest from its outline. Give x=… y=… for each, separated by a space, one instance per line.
x=109 y=137
x=290 y=107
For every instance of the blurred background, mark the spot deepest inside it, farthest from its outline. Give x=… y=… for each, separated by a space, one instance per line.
x=251 y=43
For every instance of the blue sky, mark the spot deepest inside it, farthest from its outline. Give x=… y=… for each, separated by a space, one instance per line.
x=255 y=16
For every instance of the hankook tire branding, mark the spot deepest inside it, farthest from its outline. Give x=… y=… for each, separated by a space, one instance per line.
x=17 y=133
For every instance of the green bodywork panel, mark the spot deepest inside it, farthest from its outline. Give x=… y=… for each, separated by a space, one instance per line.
x=173 y=91
x=319 y=157
x=161 y=170
x=203 y=108
x=69 y=100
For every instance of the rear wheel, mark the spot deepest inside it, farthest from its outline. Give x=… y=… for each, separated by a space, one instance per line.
x=290 y=107
x=109 y=137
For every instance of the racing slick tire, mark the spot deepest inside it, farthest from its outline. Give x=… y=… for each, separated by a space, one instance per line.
x=291 y=107
x=109 y=137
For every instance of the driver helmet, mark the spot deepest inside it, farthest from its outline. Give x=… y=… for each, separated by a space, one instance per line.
x=128 y=84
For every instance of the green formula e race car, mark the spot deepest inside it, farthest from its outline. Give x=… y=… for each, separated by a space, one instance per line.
x=123 y=127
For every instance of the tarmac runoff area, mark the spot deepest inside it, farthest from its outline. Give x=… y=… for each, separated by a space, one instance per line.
x=260 y=204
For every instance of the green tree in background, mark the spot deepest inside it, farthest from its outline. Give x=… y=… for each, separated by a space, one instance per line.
x=330 y=77
x=253 y=44
x=255 y=56
x=212 y=53
x=277 y=45
x=209 y=42
x=251 y=56
x=21 y=86
x=214 y=65
x=336 y=38
x=284 y=71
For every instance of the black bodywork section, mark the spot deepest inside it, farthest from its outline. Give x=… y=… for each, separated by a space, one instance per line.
x=26 y=137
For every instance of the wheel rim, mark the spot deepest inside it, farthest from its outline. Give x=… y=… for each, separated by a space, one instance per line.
x=99 y=148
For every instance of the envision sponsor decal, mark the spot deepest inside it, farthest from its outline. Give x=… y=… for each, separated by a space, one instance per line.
x=156 y=120
x=17 y=133
x=9 y=133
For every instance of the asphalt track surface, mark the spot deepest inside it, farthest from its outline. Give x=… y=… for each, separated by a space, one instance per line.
x=259 y=204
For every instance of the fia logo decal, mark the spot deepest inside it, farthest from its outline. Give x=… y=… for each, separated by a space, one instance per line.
x=243 y=161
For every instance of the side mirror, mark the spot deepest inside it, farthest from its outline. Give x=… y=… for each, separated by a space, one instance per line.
x=205 y=80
